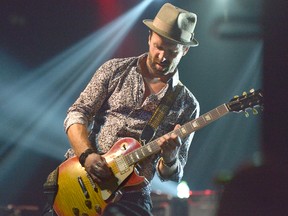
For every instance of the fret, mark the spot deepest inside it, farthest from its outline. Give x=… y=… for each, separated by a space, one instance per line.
x=183 y=131
x=149 y=148
x=155 y=147
x=201 y=122
x=218 y=110
x=213 y=114
x=137 y=156
x=178 y=132
x=188 y=127
x=222 y=109
x=192 y=126
x=132 y=158
x=208 y=117
x=195 y=124
x=142 y=151
x=152 y=147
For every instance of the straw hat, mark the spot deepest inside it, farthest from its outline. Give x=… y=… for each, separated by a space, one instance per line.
x=174 y=24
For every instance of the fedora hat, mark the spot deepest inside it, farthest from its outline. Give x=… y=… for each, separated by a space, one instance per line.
x=174 y=24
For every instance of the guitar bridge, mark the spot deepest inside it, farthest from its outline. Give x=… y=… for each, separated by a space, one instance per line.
x=122 y=165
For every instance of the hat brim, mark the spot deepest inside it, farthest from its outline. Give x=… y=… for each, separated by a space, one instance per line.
x=149 y=24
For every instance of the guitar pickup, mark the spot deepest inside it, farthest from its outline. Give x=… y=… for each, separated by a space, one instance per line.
x=84 y=189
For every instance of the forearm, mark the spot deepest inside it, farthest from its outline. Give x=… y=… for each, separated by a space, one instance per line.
x=94 y=164
x=167 y=170
x=171 y=168
x=78 y=138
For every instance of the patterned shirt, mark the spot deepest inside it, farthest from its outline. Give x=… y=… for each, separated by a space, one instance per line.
x=112 y=107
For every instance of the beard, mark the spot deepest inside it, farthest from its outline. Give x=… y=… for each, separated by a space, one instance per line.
x=163 y=67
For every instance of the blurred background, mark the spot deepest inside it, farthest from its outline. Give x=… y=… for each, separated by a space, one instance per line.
x=50 y=49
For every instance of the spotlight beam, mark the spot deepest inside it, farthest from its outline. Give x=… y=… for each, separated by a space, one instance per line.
x=35 y=105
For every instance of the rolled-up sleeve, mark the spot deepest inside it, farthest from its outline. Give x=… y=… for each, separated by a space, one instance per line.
x=188 y=113
x=91 y=98
x=182 y=159
x=75 y=118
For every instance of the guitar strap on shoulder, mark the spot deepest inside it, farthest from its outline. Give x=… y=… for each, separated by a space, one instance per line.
x=51 y=184
x=159 y=114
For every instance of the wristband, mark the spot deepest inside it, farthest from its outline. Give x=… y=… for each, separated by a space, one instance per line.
x=84 y=155
x=170 y=164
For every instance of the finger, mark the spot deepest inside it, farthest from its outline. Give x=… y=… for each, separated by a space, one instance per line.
x=97 y=174
x=96 y=178
x=177 y=126
x=173 y=136
x=94 y=173
x=95 y=170
x=104 y=161
x=166 y=137
x=169 y=142
x=102 y=171
x=161 y=141
x=99 y=164
x=171 y=145
x=176 y=139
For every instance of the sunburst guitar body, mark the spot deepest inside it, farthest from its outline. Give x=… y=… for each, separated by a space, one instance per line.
x=79 y=195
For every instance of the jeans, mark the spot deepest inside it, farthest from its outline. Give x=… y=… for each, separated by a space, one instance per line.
x=130 y=204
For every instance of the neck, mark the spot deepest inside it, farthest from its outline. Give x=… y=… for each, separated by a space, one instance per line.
x=149 y=76
x=152 y=80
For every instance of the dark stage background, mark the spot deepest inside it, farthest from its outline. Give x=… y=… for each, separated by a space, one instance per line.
x=41 y=77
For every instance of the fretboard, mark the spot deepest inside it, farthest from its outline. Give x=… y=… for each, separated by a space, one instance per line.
x=186 y=129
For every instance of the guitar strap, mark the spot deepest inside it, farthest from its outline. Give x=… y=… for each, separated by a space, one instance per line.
x=51 y=186
x=161 y=111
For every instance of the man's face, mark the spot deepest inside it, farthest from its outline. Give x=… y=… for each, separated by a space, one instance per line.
x=164 y=55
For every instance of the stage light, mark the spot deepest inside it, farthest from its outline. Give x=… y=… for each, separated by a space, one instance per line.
x=183 y=190
x=36 y=101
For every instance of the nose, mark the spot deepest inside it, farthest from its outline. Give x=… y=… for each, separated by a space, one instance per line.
x=161 y=56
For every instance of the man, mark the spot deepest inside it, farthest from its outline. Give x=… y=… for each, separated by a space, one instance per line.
x=120 y=99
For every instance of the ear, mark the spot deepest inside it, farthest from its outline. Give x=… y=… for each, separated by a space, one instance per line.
x=149 y=37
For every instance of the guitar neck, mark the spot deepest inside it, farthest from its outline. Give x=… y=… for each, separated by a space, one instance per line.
x=188 y=128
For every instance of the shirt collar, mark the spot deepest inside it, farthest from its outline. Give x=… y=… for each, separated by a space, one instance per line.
x=173 y=81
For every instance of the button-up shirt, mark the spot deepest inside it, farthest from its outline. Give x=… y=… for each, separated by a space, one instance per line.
x=113 y=106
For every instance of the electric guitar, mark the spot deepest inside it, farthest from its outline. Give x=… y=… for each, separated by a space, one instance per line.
x=79 y=195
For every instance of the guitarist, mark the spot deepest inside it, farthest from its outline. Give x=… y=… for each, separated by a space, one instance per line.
x=121 y=98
